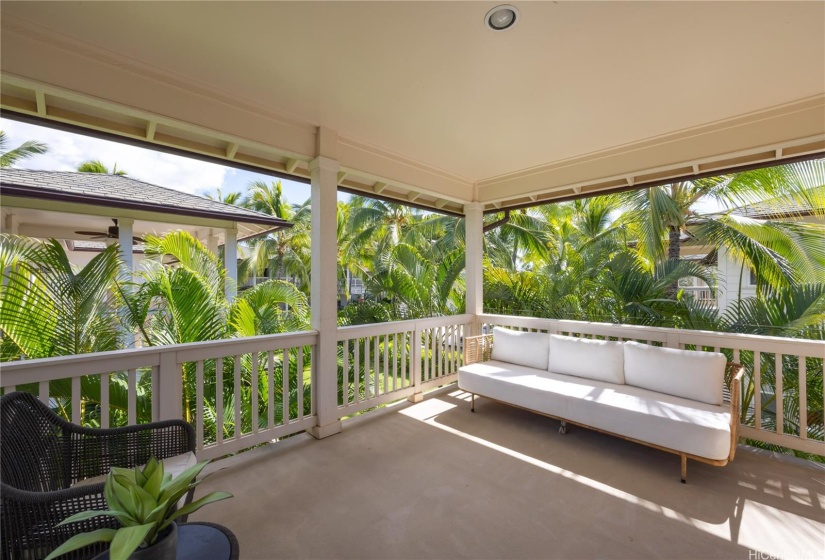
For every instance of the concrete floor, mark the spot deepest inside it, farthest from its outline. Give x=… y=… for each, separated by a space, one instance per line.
x=433 y=480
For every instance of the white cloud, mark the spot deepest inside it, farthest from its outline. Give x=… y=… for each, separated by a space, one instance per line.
x=67 y=151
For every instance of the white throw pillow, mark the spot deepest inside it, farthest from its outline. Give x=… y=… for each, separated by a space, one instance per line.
x=602 y=360
x=522 y=348
x=694 y=375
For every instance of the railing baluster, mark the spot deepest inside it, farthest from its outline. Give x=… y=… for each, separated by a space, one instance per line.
x=357 y=371
x=104 y=400
x=237 y=398
x=345 y=386
x=270 y=387
x=433 y=354
x=285 y=378
x=367 y=381
x=255 y=382
x=404 y=360
x=376 y=379
x=299 y=379
x=757 y=389
x=803 y=398
x=424 y=342
x=132 y=406
x=219 y=400
x=780 y=418
x=76 y=400
x=395 y=362
x=155 y=393
x=440 y=351
x=199 y=404
x=43 y=392
x=386 y=364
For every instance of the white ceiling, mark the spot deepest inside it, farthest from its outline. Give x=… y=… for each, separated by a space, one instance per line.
x=428 y=81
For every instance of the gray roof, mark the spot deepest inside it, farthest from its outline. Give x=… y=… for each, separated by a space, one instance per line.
x=776 y=209
x=123 y=192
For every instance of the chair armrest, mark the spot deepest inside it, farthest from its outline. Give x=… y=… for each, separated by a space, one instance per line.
x=733 y=376
x=477 y=348
x=95 y=450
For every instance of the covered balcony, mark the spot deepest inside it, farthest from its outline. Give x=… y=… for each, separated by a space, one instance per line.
x=356 y=441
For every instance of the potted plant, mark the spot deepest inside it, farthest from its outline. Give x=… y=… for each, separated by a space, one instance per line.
x=143 y=500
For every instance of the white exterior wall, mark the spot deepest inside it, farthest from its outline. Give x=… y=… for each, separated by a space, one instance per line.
x=734 y=280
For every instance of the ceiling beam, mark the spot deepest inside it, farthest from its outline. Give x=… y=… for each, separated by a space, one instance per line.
x=291 y=165
x=40 y=98
x=151 y=127
x=231 y=150
x=379 y=187
x=341 y=176
x=413 y=196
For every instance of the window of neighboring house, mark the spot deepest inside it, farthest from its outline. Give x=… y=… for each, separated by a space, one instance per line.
x=752 y=277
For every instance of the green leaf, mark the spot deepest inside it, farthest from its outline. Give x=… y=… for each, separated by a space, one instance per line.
x=84 y=515
x=154 y=479
x=181 y=482
x=127 y=540
x=83 y=539
x=196 y=505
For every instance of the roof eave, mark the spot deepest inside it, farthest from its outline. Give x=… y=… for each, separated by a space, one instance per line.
x=11 y=189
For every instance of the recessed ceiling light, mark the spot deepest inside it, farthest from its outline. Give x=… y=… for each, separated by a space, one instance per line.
x=502 y=17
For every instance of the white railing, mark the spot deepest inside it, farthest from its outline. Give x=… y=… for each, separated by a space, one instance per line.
x=765 y=394
x=702 y=294
x=237 y=392
x=242 y=392
x=384 y=362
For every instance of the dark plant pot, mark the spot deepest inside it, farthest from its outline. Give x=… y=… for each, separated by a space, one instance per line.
x=165 y=548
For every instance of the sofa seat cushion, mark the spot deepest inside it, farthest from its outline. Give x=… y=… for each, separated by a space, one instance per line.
x=518 y=385
x=665 y=420
x=668 y=421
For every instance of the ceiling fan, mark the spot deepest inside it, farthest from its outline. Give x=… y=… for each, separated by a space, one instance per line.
x=112 y=233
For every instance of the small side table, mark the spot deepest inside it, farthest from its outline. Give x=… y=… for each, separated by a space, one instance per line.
x=206 y=541
x=202 y=541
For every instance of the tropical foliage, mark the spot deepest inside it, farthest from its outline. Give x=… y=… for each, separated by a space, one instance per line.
x=615 y=258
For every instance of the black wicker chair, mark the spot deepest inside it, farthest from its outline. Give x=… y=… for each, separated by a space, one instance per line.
x=42 y=455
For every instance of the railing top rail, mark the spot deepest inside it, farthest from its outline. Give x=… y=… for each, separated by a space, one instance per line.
x=373 y=329
x=118 y=360
x=813 y=348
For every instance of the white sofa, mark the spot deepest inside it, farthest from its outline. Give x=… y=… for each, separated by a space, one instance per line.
x=665 y=398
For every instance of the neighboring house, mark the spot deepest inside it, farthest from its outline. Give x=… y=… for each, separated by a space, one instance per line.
x=735 y=279
x=87 y=211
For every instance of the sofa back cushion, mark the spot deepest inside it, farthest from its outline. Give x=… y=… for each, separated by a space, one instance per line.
x=601 y=360
x=694 y=375
x=522 y=348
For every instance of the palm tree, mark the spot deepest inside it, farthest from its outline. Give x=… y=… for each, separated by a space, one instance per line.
x=660 y=216
x=233 y=198
x=9 y=157
x=97 y=166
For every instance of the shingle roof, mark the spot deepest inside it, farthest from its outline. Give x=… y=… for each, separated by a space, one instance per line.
x=775 y=209
x=123 y=192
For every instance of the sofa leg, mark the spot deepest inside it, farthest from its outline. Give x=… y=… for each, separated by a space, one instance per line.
x=472 y=402
x=563 y=427
x=684 y=468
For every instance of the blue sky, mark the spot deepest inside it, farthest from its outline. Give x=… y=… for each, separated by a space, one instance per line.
x=68 y=150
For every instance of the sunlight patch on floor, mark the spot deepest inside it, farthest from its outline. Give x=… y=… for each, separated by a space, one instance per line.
x=769 y=521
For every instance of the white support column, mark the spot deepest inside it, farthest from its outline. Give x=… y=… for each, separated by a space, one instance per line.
x=324 y=294
x=230 y=263
x=474 y=256
x=126 y=232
